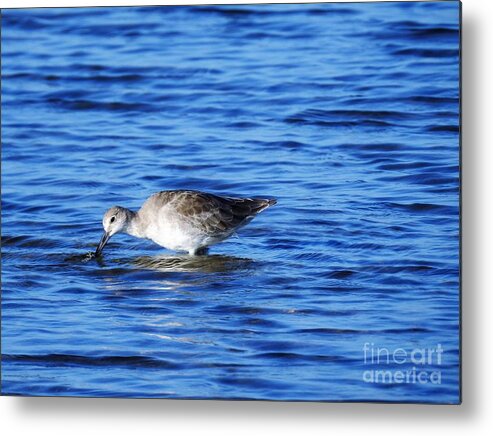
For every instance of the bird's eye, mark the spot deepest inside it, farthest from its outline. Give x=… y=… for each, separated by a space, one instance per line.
x=112 y=219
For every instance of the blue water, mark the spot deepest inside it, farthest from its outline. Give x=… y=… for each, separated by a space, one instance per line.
x=348 y=114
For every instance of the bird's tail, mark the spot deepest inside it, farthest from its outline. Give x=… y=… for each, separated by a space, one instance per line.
x=265 y=203
x=258 y=205
x=249 y=207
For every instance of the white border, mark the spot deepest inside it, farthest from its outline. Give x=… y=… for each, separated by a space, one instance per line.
x=82 y=417
x=67 y=3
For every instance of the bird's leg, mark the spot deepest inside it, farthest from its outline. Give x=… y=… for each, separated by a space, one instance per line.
x=202 y=251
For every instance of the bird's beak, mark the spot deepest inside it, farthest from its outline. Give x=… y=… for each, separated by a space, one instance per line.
x=104 y=240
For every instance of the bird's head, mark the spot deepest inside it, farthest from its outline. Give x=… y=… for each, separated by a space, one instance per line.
x=115 y=220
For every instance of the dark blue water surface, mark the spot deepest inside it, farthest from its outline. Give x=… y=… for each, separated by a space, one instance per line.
x=348 y=114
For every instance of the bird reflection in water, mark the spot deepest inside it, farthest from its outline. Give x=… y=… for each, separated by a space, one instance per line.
x=192 y=264
x=170 y=272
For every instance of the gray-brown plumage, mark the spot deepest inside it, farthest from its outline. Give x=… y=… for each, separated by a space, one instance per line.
x=184 y=220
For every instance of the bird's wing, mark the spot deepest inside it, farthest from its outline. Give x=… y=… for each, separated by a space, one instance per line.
x=212 y=214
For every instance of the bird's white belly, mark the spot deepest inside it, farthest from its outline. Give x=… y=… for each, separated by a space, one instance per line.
x=173 y=237
x=175 y=234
